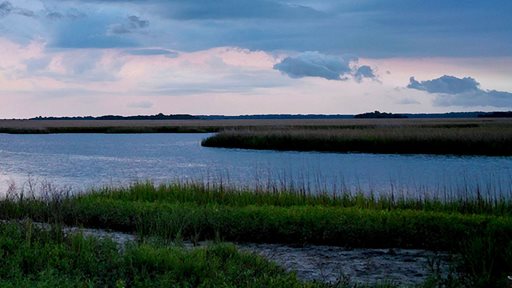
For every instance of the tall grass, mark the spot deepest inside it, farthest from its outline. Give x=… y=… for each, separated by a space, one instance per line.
x=461 y=139
x=286 y=196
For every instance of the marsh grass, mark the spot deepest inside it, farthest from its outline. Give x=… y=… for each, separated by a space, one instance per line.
x=288 y=195
x=475 y=138
x=196 y=212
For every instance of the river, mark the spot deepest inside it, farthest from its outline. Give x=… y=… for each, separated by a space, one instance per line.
x=82 y=161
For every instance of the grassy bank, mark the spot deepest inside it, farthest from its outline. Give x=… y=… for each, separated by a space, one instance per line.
x=478 y=230
x=429 y=137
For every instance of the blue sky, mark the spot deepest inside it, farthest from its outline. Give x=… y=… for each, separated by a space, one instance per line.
x=249 y=57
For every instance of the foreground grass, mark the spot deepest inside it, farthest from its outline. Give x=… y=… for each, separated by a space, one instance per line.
x=471 y=138
x=479 y=231
x=38 y=258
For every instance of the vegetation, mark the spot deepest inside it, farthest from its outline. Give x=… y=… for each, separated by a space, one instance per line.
x=32 y=257
x=214 y=124
x=399 y=136
x=478 y=230
x=379 y=115
x=159 y=116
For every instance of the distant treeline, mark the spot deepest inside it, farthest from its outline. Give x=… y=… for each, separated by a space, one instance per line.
x=375 y=114
x=507 y=114
x=118 y=117
x=277 y=116
x=476 y=114
x=379 y=115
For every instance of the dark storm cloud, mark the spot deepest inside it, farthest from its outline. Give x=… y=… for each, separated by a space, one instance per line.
x=368 y=28
x=453 y=91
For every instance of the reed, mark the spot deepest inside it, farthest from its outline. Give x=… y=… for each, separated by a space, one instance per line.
x=200 y=193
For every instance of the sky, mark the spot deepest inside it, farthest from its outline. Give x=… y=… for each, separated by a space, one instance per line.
x=233 y=57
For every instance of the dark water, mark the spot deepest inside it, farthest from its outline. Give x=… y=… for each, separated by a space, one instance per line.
x=85 y=160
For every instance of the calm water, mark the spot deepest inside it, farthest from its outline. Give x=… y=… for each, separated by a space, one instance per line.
x=80 y=161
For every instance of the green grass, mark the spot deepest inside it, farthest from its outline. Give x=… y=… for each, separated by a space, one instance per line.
x=478 y=138
x=36 y=258
x=205 y=194
x=197 y=211
x=478 y=230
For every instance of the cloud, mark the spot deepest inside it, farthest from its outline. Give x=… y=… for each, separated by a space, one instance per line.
x=44 y=72
x=72 y=66
x=364 y=71
x=453 y=91
x=135 y=22
x=54 y=15
x=236 y=9
x=71 y=14
x=132 y=24
x=93 y=31
x=445 y=84
x=24 y=12
x=369 y=28
x=153 y=52
x=7 y=8
x=315 y=64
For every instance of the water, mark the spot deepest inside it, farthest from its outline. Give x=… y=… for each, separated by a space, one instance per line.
x=81 y=161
